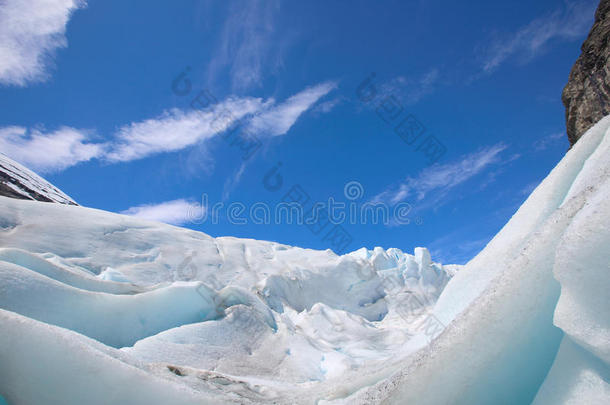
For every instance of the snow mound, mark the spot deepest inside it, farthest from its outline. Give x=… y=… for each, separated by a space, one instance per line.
x=45 y=364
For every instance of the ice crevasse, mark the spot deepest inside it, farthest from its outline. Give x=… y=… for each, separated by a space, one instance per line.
x=101 y=308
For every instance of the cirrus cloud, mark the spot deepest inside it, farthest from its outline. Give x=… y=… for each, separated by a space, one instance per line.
x=49 y=151
x=568 y=23
x=432 y=186
x=175 y=129
x=175 y=212
x=278 y=120
x=171 y=131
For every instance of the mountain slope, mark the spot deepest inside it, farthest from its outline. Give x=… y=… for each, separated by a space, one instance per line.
x=586 y=96
x=17 y=181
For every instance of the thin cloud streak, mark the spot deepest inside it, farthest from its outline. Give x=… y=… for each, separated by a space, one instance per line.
x=246 y=44
x=232 y=182
x=568 y=23
x=175 y=212
x=171 y=131
x=550 y=140
x=439 y=180
x=175 y=129
x=327 y=106
x=457 y=248
x=410 y=90
x=279 y=120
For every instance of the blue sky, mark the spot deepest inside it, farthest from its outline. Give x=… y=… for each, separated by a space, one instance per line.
x=125 y=106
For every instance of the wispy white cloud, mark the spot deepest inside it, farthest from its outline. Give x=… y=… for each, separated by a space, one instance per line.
x=327 y=106
x=233 y=181
x=278 y=120
x=30 y=34
x=529 y=188
x=171 y=131
x=434 y=183
x=246 y=46
x=550 y=140
x=457 y=247
x=567 y=23
x=175 y=212
x=49 y=151
x=175 y=129
x=410 y=90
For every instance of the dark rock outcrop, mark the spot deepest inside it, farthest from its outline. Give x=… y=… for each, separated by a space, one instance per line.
x=17 y=181
x=587 y=94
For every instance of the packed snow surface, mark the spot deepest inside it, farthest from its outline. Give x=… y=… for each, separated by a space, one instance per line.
x=102 y=308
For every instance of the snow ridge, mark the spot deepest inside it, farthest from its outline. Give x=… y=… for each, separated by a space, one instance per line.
x=17 y=181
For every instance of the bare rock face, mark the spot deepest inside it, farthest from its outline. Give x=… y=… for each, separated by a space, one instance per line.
x=587 y=94
x=17 y=181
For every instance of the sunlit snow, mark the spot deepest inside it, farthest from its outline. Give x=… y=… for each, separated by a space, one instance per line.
x=103 y=308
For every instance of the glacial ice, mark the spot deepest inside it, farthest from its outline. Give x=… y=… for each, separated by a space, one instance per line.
x=270 y=321
x=97 y=307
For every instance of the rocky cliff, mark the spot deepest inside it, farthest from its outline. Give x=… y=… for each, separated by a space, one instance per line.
x=587 y=94
x=17 y=181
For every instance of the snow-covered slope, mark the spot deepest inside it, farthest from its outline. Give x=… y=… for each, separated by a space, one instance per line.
x=17 y=181
x=102 y=308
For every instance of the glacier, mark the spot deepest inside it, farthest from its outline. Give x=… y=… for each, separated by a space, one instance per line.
x=100 y=308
